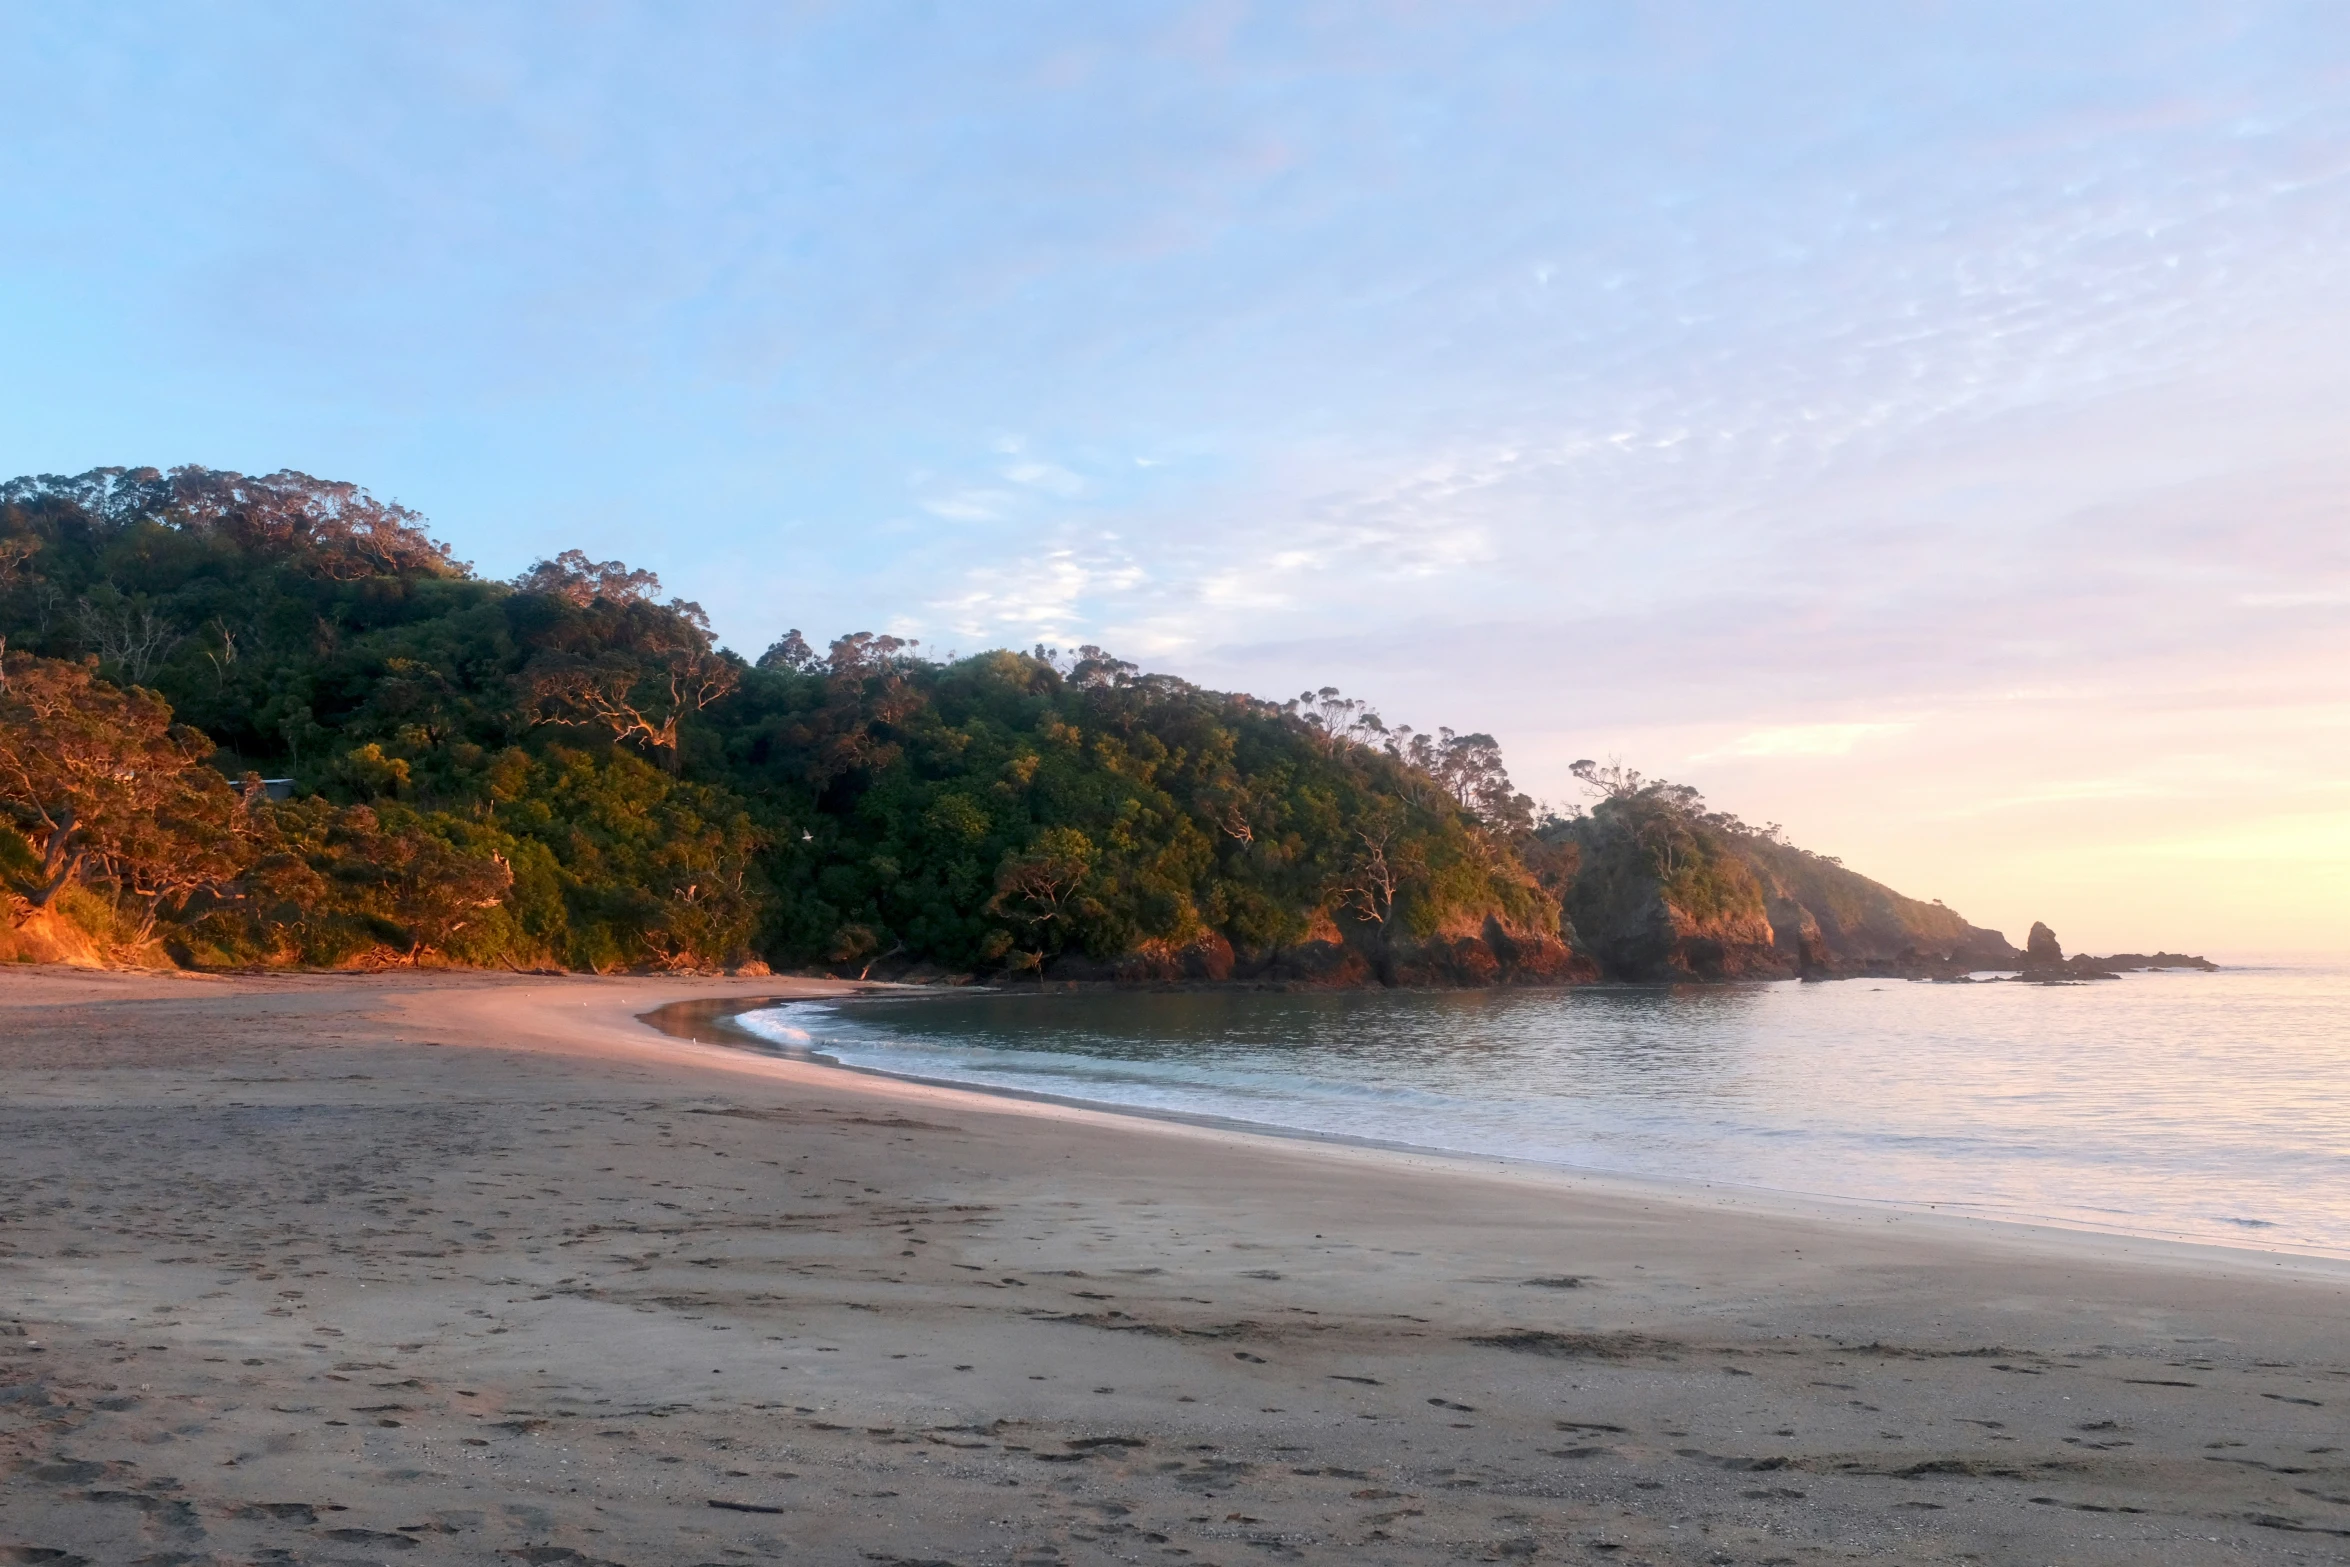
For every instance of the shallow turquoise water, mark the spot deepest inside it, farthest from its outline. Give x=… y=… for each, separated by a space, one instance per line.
x=2211 y=1107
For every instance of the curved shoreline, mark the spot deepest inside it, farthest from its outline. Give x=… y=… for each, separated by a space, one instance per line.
x=711 y=1021
x=716 y=1026
x=354 y=1256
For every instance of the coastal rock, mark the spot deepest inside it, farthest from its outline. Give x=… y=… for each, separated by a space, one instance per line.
x=1447 y=963
x=2045 y=963
x=1321 y=963
x=1700 y=904
x=1796 y=934
x=1531 y=958
x=1209 y=958
x=1720 y=906
x=1644 y=896
x=1851 y=925
x=1075 y=968
x=1653 y=900
x=1654 y=893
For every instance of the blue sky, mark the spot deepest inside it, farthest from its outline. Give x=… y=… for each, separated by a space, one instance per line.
x=1921 y=424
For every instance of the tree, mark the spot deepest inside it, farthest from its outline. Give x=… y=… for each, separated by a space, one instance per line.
x=128 y=634
x=1469 y=768
x=432 y=890
x=1383 y=867
x=790 y=652
x=869 y=689
x=1336 y=721
x=336 y=530
x=189 y=848
x=573 y=577
x=101 y=780
x=1035 y=886
x=1230 y=805
x=1096 y=667
x=621 y=694
x=345 y=882
x=1615 y=781
x=864 y=653
x=640 y=684
x=15 y=556
x=1373 y=877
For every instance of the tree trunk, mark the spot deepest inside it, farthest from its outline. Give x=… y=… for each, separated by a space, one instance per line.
x=59 y=860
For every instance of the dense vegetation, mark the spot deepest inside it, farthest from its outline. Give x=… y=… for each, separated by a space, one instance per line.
x=566 y=771
x=1657 y=886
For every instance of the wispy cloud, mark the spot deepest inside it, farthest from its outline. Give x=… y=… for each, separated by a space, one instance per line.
x=1049 y=477
x=2316 y=598
x=1805 y=740
x=970 y=506
x=1047 y=598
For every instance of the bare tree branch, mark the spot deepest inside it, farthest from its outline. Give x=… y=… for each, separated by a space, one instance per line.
x=129 y=635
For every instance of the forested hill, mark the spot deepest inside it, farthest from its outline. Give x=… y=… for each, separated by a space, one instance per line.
x=565 y=771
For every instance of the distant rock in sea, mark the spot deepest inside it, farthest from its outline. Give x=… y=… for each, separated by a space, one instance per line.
x=2045 y=962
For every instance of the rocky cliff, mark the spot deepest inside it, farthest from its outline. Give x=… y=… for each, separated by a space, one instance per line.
x=1648 y=887
x=1652 y=888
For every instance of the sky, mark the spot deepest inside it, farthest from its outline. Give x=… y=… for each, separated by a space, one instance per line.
x=1926 y=426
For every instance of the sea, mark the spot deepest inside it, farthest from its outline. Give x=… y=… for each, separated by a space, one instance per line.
x=2207 y=1107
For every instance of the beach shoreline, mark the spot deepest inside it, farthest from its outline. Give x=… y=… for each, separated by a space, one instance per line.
x=499 y=1271
x=712 y=1021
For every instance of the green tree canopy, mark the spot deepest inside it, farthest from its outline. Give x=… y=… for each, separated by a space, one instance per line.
x=565 y=769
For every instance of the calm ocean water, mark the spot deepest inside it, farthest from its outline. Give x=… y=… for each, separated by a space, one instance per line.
x=2209 y=1107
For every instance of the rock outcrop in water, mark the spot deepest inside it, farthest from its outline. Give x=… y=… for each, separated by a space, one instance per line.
x=2044 y=962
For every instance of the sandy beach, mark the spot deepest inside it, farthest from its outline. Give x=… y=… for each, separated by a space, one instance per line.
x=465 y=1268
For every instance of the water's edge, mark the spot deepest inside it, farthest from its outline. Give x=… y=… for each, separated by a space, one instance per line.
x=714 y=1022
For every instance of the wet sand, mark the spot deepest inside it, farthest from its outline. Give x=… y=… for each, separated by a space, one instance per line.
x=482 y=1269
